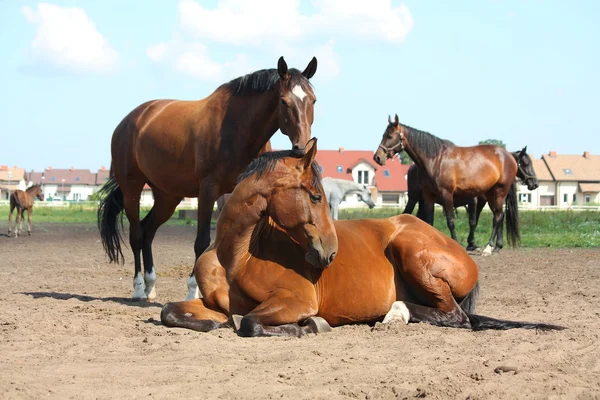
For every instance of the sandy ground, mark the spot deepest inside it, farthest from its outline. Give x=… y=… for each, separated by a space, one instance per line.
x=69 y=330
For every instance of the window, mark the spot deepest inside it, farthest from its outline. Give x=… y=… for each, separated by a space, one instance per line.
x=574 y=197
x=339 y=169
x=588 y=198
x=567 y=171
x=363 y=177
x=76 y=179
x=525 y=197
x=386 y=173
x=52 y=178
x=390 y=198
x=565 y=198
x=76 y=196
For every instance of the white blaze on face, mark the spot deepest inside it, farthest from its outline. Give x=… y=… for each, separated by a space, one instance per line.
x=299 y=92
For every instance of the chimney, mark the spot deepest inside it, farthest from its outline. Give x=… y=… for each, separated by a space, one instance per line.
x=72 y=168
x=341 y=150
x=586 y=154
x=49 y=168
x=103 y=168
x=552 y=153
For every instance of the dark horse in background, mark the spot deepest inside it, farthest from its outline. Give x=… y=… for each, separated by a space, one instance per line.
x=22 y=201
x=196 y=149
x=417 y=181
x=467 y=172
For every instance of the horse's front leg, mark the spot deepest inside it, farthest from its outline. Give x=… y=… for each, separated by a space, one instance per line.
x=29 y=221
x=472 y=212
x=449 y=210
x=206 y=200
x=280 y=315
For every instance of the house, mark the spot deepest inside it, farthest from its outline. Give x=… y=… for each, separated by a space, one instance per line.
x=387 y=183
x=565 y=181
x=65 y=184
x=11 y=179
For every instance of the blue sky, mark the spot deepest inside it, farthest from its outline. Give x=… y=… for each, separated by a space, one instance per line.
x=525 y=72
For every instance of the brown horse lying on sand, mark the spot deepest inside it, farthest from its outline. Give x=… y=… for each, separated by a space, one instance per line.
x=278 y=261
x=23 y=200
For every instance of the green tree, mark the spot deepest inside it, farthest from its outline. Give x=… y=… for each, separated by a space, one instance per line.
x=495 y=142
x=405 y=158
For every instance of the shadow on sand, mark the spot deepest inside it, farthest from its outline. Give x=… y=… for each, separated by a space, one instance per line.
x=67 y=296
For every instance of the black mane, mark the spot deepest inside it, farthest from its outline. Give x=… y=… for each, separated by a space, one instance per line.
x=261 y=81
x=431 y=145
x=267 y=161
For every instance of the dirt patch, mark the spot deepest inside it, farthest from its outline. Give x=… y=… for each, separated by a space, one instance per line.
x=68 y=329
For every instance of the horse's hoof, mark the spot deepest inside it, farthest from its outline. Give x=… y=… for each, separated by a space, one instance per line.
x=151 y=295
x=487 y=251
x=317 y=325
x=398 y=312
x=236 y=320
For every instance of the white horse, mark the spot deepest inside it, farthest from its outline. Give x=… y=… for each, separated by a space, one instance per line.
x=337 y=189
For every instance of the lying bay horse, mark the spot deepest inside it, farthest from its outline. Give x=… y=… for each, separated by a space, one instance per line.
x=23 y=201
x=280 y=261
x=337 y=189
x=196 y=149
x=417 y=182
x=468 y=172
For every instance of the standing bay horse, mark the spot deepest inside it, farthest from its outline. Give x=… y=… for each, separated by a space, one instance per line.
x=23 y=201
x=280 y=266
x=337 y=189
x=467 y=172
x=417 y=181
x=196 y=149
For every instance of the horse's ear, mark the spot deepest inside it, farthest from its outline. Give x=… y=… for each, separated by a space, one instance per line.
x=396 y=120
x=282 y=68
x=389 y=119
x=524 y=151
x=311 y=68
x=310 y=151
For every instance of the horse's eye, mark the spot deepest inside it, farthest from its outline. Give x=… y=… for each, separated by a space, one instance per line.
x=284 y=102
x=315 y=198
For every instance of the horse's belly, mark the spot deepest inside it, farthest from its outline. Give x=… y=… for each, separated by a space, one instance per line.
x=360 y=293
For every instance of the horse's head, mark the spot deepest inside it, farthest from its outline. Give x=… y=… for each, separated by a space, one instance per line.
x=297 y=102
x=526 y=172
x=297 y=204
x=365 y=196
x=36 y=190
x=392 y=142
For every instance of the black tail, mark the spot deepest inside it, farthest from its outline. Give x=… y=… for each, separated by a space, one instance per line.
x=482 y=323
x=110 y=214
x=513 y=234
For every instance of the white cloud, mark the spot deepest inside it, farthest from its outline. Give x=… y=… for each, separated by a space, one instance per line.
x=67 y=39
x=256 y=22
x=157 y=52
x=275 y=27
x=193 y=59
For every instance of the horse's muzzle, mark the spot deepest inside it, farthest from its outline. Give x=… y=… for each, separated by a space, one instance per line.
x=318 y=259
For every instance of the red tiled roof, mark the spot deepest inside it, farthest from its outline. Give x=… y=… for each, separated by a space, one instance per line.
x=394 y=180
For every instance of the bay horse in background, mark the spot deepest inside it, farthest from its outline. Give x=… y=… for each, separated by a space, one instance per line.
x=336 y=191
x=417 y=180
x=23 y=201
x=467 y=172
x=196 y=149
x=280 y=266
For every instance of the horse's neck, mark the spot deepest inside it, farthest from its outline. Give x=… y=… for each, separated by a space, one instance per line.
x=417 y=154
x=252 y=121
x=349 y=187
x=238 y=220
